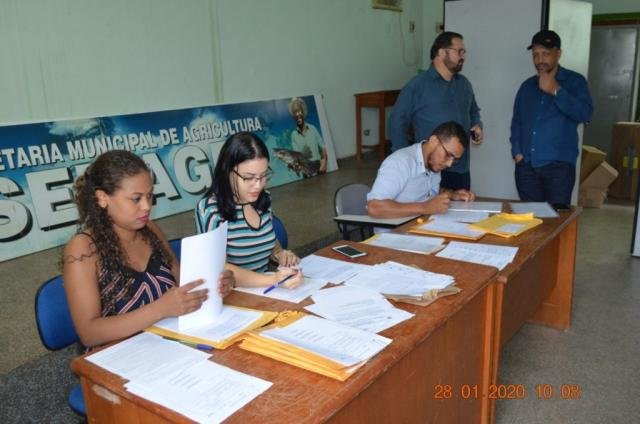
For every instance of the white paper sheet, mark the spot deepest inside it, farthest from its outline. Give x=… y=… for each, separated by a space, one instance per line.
x=328 y=269
x=229 y=322
x=539 y=209
x=407 y=243
x=357 y=307
x=461 y=205
x=479 y=253
x=450 y=227
x=297 y=295
x=203 y=256
x=463 y=216
x=205 y=392
x=145 y=356
x=340 y=343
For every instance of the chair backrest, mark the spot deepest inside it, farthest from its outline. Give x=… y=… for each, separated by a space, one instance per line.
x=281 y=232
x=176 y=246
x=53 y=317
x=351 y=199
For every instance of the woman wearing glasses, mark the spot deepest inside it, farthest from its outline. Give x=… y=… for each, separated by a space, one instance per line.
x=238 y=197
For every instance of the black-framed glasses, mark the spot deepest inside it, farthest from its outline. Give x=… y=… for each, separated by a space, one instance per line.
x=461 y=52
x=450 y=156
x=266 y=177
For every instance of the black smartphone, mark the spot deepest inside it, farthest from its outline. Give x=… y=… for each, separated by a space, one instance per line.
x=560 y=207
x=349 y=251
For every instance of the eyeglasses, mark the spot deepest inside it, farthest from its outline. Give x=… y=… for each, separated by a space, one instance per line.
x=461 y=52
x=450 y=156
x=266 y=177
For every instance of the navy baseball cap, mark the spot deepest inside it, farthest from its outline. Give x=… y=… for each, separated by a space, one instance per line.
x=545 y=38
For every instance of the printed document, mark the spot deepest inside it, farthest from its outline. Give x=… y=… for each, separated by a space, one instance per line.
x=328 y=269
x=406 y=242
x=357 y=307
x=337 y=342
x=205 y=392
x=203 y=256
x=479 y=253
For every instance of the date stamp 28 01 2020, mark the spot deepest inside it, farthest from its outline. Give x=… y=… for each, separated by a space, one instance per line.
x=507 y=391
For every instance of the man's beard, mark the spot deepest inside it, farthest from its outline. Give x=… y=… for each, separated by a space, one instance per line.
x=453 y=67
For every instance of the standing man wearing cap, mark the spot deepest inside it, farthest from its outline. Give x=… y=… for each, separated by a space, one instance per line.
x=438 y=95
x=546 y=113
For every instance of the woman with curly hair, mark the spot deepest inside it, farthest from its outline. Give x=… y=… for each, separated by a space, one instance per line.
x=238 y=197
x=119 y=271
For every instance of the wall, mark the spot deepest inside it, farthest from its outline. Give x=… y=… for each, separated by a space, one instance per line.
x=80 y=58
x=615 y=6
x=83 y=58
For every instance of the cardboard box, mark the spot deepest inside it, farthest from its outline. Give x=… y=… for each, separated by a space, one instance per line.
x=625 y=157
x=592 y=197
x=600 y=178
x=591 y=158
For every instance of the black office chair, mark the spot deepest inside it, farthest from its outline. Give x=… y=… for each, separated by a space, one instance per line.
x=56 y=329
x=351 y=199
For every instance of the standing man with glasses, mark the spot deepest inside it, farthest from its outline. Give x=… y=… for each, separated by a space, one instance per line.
x=438 y=95
x=408 y=181
x=544 y=137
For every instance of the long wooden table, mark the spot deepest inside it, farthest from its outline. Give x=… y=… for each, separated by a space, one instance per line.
x=447 y=344
x=440 y=365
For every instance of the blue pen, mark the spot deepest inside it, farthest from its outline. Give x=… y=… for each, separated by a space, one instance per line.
x=191 y=344
x=285 y=279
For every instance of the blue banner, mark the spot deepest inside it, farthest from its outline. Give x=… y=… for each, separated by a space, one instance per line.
x=40 y=161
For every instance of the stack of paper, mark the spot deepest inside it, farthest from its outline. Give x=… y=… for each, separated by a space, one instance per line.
x=407 y=243
x=484 y=254
x=460 y=205
x=357 y=307
x=507 y=224
x=328 y=269
x=462 y=216
x=316 y=344
x=539 y=209
x=392 y=278
x=226 y=329
x=297 y=295
x=447 y=228
x=179 y=377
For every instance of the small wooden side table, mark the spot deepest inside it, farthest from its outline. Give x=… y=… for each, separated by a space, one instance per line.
x=380 y=100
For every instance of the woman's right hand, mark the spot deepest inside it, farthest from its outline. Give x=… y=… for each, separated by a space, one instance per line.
x=180 y=300
x=292 y=282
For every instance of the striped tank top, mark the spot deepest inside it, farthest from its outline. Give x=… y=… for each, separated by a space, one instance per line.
x=144 y=288
x=247 y=247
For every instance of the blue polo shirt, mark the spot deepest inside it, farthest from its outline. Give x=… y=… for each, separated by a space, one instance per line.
x=427 y=101
x=544 y=128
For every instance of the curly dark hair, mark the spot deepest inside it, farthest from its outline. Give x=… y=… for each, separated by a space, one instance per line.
x=106 y=173
x=238 y=148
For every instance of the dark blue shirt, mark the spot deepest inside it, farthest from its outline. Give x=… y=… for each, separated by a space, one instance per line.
x=544 y=128
x=427 y=101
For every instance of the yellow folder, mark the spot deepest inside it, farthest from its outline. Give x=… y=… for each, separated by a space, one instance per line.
x=254 y=341
x=507 y=224
x=264 y=318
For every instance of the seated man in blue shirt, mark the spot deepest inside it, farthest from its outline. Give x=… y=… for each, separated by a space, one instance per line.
x=546 y=113
x=408 y=181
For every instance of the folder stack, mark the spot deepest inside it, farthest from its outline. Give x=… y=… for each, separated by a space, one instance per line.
x=315 y=344
x=229 y=328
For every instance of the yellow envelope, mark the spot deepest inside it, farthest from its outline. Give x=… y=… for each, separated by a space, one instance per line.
x=507 y=224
